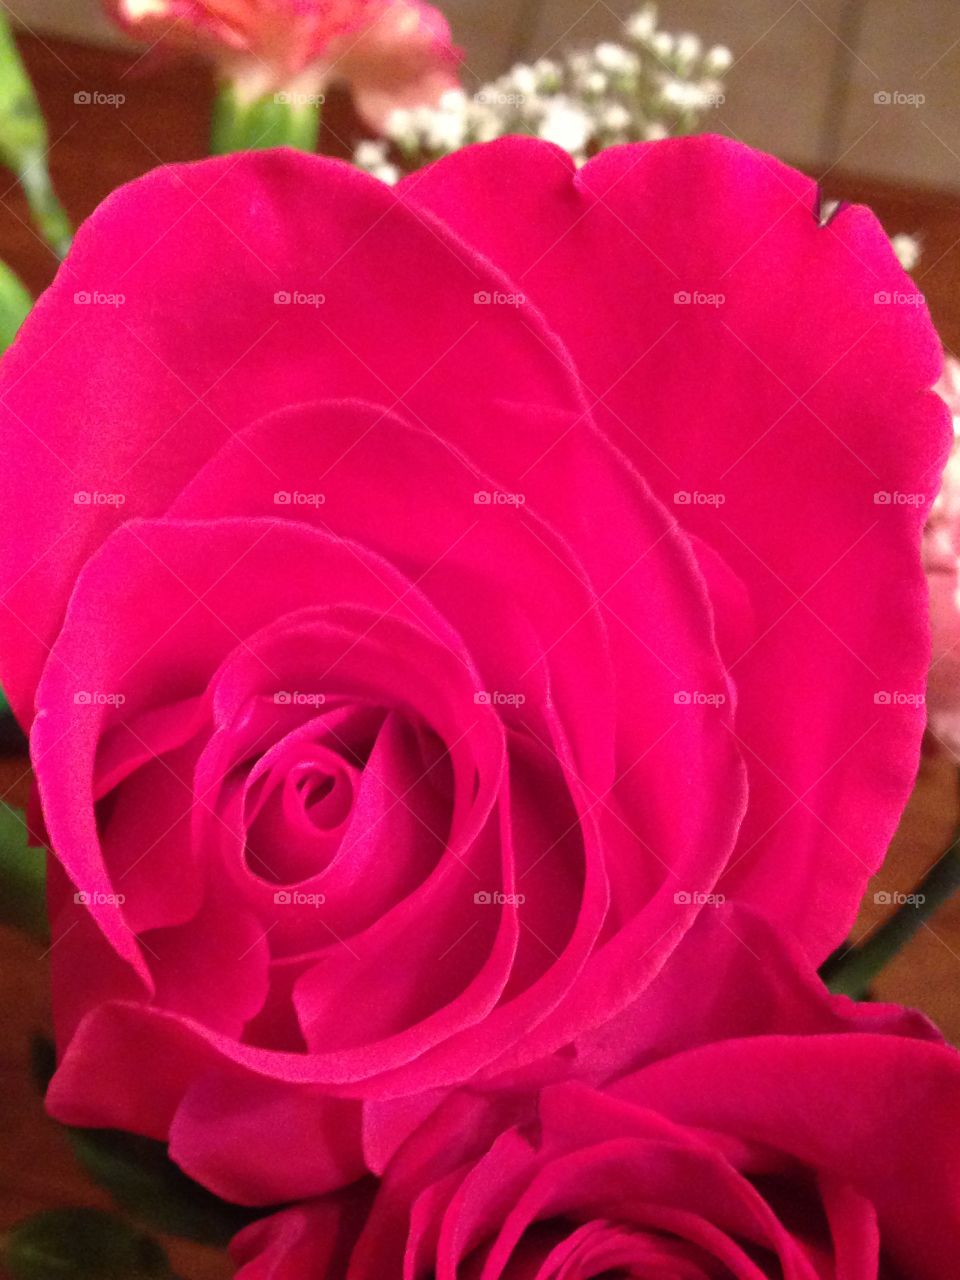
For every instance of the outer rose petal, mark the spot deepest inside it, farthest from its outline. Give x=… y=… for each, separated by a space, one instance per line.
x=900 y=1103
x=792 y=1095
x=309 y=1240
x=731 y=976
x=796 y=399
x=200 y=253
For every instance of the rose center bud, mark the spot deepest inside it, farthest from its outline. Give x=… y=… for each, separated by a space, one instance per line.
x=297 y=812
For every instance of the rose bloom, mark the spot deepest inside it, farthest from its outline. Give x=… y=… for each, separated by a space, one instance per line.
x=941 y=558
x=774 y=1132
x=425 y=604
x=392 y=53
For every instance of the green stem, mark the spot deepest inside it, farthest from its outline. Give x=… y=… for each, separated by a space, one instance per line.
x=48 y=213
x=277 y=120
x=852 y=972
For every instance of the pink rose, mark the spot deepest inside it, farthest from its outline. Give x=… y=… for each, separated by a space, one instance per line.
x=941 y=558
x=391 y=725
x=813 y=1140
x=392 y=53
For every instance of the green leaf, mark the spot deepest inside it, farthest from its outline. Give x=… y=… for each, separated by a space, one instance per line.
x=278 y=120
x=142 y=1178
x=15 y=304
x=145 y=1182
x=23 y=874
x=24 y=144
x=82 y=1244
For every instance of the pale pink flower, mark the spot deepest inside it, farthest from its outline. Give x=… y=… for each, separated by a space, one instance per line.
x=941 y=558
x=392 y=53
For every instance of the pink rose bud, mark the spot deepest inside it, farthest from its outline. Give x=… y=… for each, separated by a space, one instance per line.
x=392 y=53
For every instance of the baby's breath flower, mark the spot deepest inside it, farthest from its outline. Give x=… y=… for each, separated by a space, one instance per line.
x=388 y=173
x=651 y=87
x=717 y=60
x=689 y=48
x=907 y=249
x=566 y=125
x=369 y=155
x=642 y=25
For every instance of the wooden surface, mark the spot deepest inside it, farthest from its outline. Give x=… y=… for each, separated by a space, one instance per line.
x=164 y=118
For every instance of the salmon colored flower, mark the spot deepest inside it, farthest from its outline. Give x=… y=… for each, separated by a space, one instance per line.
x=392 y=53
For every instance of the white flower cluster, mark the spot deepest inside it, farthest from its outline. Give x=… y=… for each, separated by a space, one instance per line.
x=652 y=85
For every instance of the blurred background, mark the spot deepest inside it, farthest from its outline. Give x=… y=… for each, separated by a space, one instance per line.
x=862 y=94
